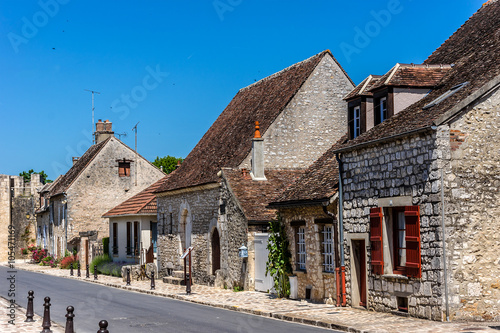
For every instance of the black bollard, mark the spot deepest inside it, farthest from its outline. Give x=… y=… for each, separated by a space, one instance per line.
x=87 y=274
x=69 y=319
x=188 y=284
x=71 y=269
x=95 y=272
x=29 y=308
x=46 y=316
x=78 y=267
x=103 y=327
x=128 y=276
x=153 y=280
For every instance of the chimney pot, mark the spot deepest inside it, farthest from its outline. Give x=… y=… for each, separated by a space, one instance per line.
x=257 y=155
x=257 y=130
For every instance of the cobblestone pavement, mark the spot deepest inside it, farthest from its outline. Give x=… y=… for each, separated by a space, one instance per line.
x=19 y=325
x=328 y=316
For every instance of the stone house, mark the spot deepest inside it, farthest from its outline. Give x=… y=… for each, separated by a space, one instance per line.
x=309 y=210
x=44 y=232
x=133 y=227
x=300 y=113
x=105 y=175
x=18 y=202
x=420 y=187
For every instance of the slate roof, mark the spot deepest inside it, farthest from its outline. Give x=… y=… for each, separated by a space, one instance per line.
x=411 y=75
x=69 y=177
x=254 y=196
x=474 y=51
x=317 y=184
x=228 y=141
x=143 y=202
x=363 y=89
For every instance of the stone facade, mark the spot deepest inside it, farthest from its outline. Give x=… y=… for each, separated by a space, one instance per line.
x=407 y=171
x=18 y=202
x=314 y=279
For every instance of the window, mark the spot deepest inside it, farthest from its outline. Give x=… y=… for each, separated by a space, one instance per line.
x=445 y=95
x=382 y=109
x=115 y=238
x=357 y=121
x=136 y=238
x=401 y=227
x=124 y=169
x=354 y=119
x=130 y=250
x=327 y=247
x=301 y=248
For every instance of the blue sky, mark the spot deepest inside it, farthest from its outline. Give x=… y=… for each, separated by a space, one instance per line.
x=173 y=66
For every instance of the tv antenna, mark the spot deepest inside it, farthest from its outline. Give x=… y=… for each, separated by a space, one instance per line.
x=121 y=134
x=93 y=92
x=136 y=161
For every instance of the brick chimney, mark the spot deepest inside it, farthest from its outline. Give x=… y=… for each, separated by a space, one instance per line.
x=103 y=130
x=257 y=155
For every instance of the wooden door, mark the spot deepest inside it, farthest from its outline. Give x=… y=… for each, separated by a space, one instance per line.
x=360 y=266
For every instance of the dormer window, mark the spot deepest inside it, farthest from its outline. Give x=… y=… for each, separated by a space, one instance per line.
x=357 y=121
x=356 y=118
x=383 y=109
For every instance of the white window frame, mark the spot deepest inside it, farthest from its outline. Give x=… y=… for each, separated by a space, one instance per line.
x=382 y=109
x=357 y=121
x=327 y=246
x=301 y=248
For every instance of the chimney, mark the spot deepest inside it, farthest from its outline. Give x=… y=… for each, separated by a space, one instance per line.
x=257 y=155
x=103 y=130
x=75 y=159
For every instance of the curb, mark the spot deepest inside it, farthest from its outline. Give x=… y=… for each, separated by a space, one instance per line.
x=278 y=316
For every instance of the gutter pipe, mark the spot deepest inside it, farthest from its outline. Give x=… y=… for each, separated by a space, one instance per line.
x=341 y=228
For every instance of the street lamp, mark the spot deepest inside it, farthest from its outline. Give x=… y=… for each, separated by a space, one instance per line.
x=243 y=252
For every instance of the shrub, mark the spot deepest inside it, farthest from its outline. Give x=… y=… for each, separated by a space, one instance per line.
x=24 y=251
x=38 y=254
x=67 y=261
x=105 y=245
x=98 y=261
x=48 y=261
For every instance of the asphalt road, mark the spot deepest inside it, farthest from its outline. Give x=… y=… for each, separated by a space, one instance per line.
x=128 y=311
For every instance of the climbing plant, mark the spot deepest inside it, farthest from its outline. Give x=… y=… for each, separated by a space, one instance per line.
x=278 y=262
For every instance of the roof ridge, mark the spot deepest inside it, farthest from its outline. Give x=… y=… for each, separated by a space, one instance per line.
x=284 y=70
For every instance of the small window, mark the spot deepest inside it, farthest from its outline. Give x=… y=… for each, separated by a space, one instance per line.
x=445 y=95
x=357 y=121
x=301 y=248
x=327 y=247
x=115 y=238
x=383 y=109
x=124 y=169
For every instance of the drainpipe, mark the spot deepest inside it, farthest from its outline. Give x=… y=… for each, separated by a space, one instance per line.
x=337 y=258
x=341 y=229
x=444 y=250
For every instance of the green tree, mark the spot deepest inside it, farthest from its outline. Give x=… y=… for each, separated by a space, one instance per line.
x=167 y=163
x=27 y=176
x=278 y=262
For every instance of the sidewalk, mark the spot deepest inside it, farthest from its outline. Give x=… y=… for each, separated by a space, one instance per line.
x=20 y=326
x=328 y=316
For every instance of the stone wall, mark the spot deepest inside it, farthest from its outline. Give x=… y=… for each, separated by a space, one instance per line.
x=311 y=123
x=4 y=216
x=322 y=284
x=195 y=214
x=472 y=185
x=406 y=170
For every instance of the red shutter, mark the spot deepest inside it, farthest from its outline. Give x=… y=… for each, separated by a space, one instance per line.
x=413 y=259
x=377 y=254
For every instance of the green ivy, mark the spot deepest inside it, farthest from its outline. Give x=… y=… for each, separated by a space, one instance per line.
x=278 y=262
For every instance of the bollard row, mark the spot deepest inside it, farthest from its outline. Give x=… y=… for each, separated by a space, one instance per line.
x=47 y=323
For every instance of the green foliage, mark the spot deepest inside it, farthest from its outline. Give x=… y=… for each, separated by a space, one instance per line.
x=27 y=176
x=278 y=262
x=105 y=245
x=99 y=260
x=110 y=268
x=237 y=288
x=68 y=260
x=167 y=163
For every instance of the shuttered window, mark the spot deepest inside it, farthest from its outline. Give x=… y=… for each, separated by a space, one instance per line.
x=377 y=254
x=124 y=169
x=412 y=238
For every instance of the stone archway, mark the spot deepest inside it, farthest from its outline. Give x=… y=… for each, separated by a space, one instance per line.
x=215 y=251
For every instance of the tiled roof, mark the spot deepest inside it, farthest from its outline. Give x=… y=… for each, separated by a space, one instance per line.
x=254 y=196
x=228 y=141
x=69 y=177
x=411 y=75
x=143 y=202
x=474 y=50
x=363 y=88
x=318 y=183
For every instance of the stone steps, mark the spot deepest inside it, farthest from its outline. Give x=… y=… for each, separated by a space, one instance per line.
x=173 y=280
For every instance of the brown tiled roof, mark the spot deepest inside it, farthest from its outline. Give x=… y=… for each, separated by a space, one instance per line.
x=228 y=141
x=363 y=88
x=143 y=202
x=474 y=50
x=69 y=177
x=254 y=196
x=411 y=75
x=318 y=183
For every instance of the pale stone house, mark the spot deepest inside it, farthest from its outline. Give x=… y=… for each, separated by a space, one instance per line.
x=301 y=114
x=133 y=227
x=108 y=173
x=420 y=188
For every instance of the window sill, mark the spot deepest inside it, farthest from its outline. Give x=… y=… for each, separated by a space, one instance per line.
x=395 y=277
x=328 y=273
x=300 y=272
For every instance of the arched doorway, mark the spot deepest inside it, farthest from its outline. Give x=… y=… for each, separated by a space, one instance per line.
x=215 y=251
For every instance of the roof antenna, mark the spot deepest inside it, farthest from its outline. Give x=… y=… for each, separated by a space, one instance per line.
x=136 y=161
x=93 y=92
x=120 y=135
